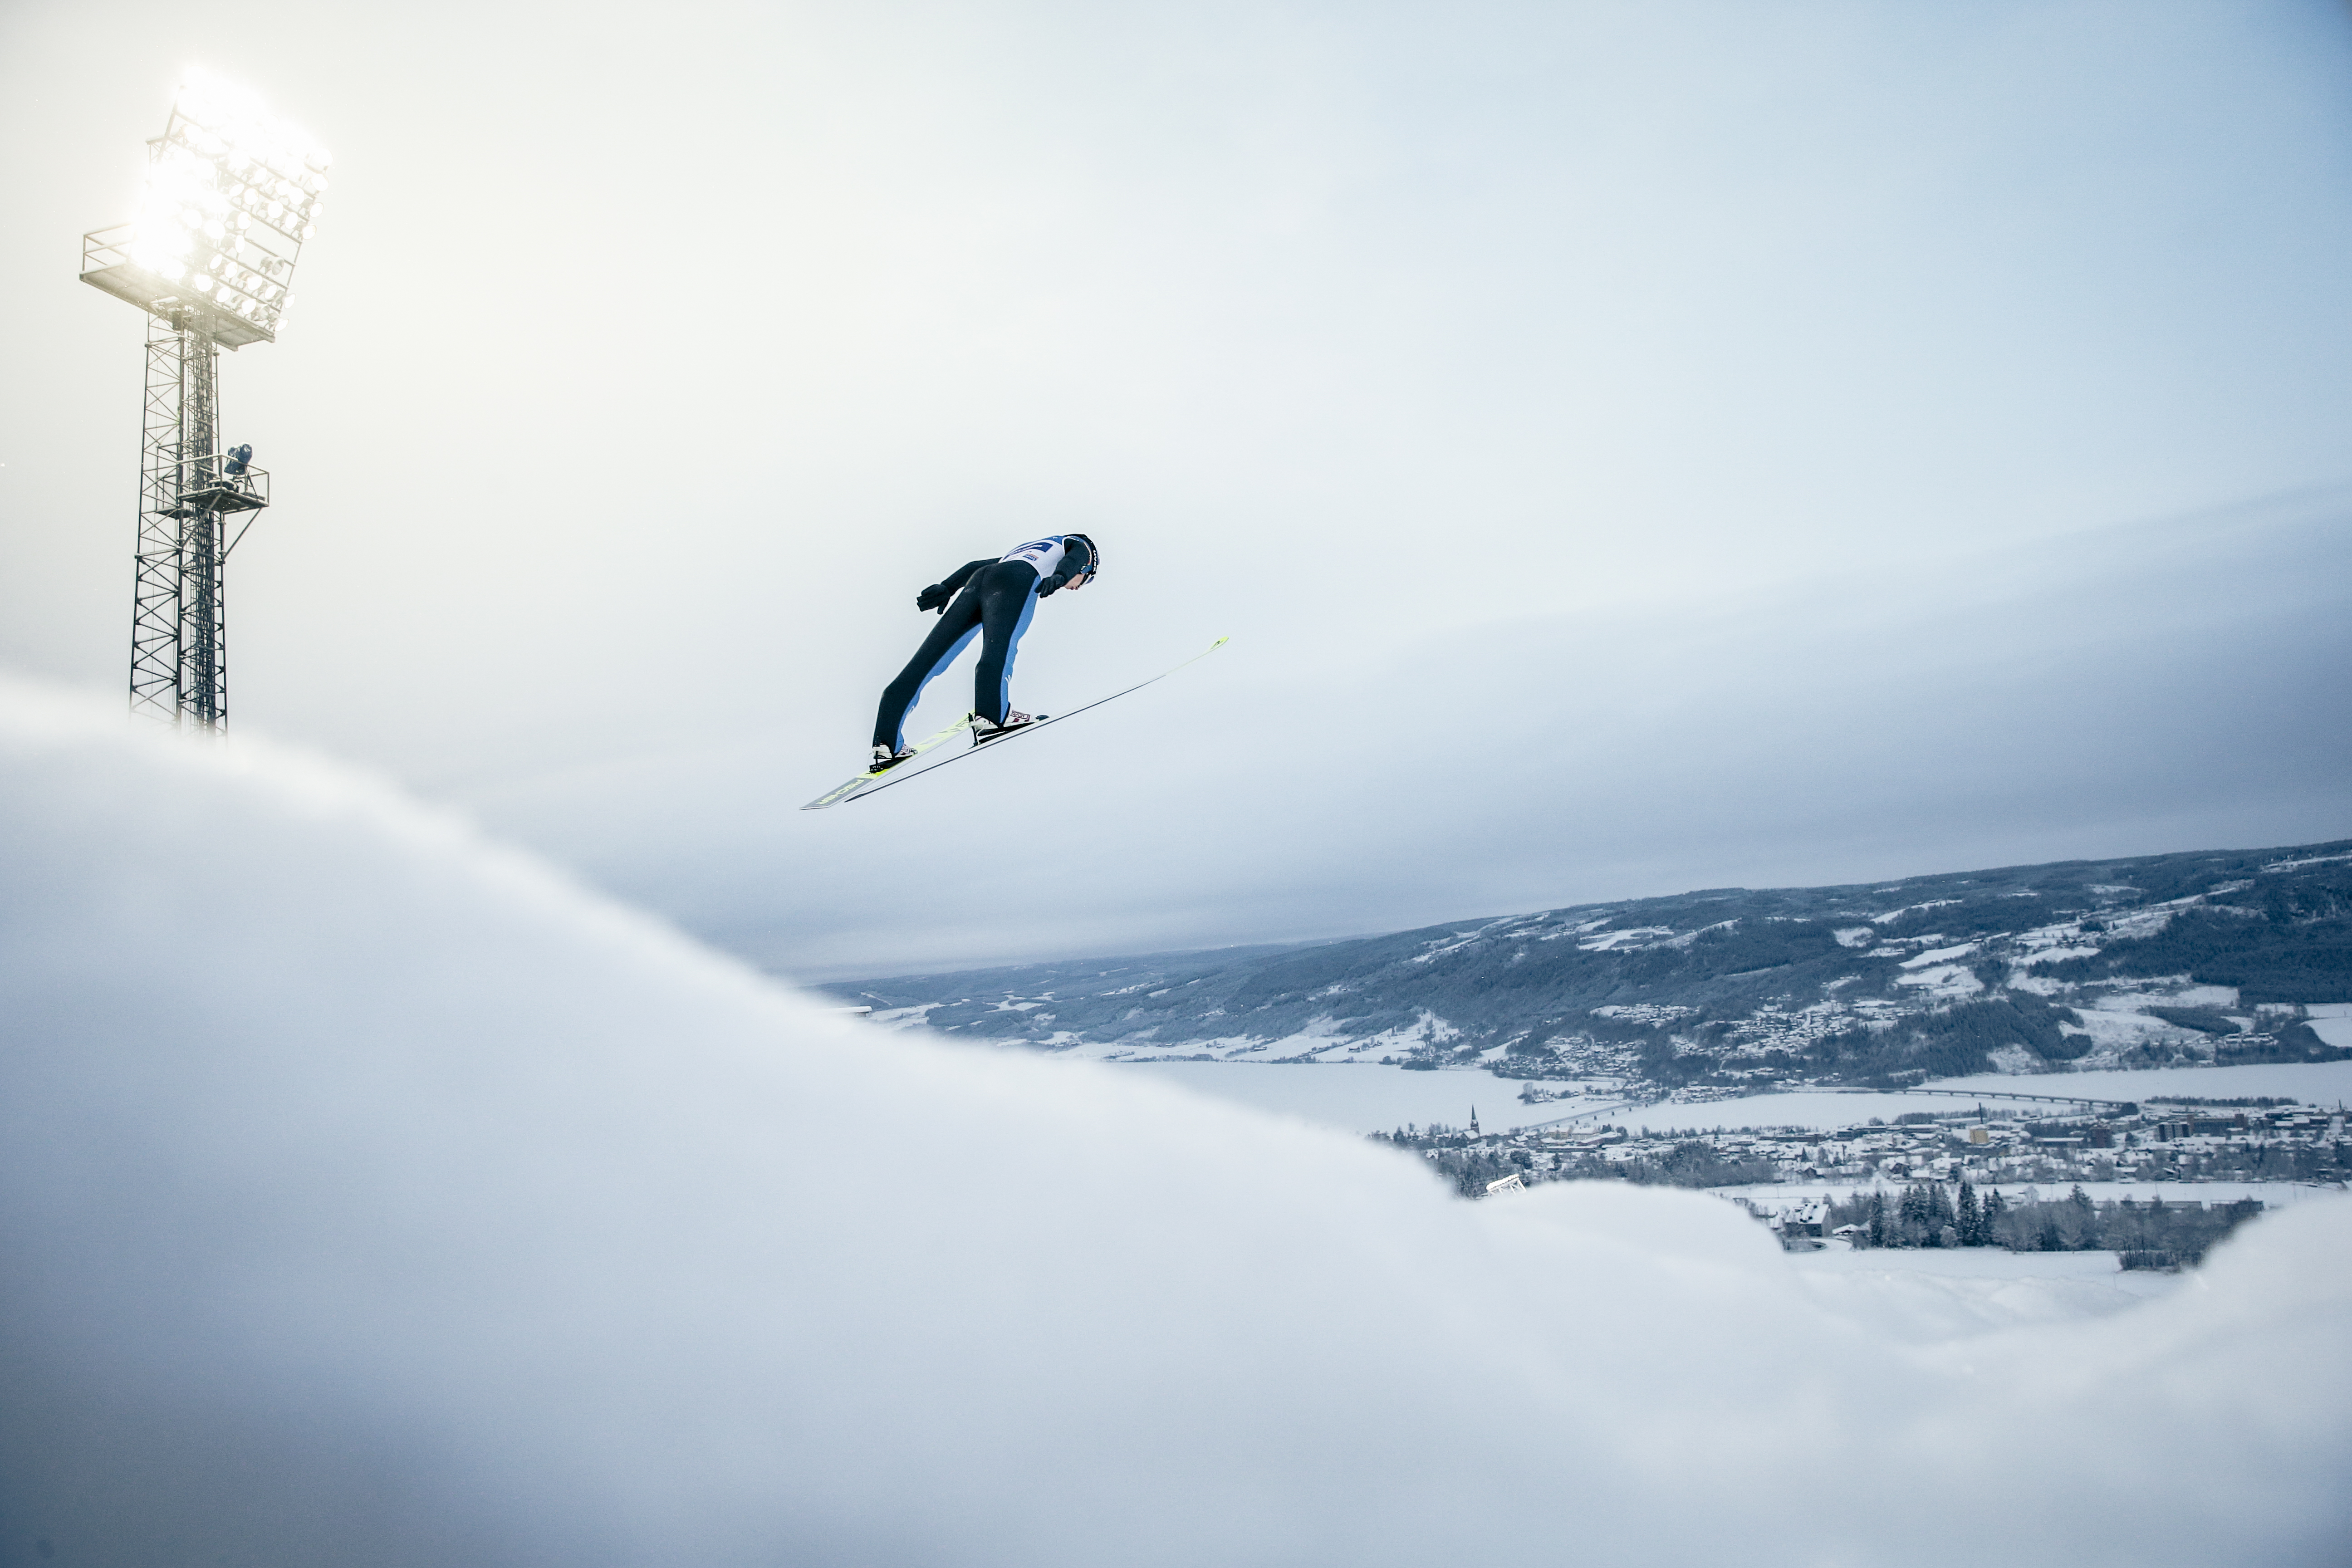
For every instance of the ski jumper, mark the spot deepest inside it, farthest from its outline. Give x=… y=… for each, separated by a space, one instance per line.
x=991 y=599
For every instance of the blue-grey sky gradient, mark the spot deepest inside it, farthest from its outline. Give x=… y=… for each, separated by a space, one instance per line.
x=1632 y=447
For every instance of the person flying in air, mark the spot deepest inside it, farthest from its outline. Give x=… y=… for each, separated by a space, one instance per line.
x=995 y=599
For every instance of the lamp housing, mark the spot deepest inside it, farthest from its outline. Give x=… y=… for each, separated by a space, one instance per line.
x=231 y=193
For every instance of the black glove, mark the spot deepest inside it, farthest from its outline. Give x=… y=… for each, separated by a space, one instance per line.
x=1052 y=586
x=933 y=598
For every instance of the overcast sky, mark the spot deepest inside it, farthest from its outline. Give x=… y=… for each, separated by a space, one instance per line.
x=1632 y=448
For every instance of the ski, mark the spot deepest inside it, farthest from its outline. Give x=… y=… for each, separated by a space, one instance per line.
x=840 y=792
x=900 y=775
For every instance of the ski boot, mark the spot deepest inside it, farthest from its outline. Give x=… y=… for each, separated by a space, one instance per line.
x=984 y=728
x=885 y=759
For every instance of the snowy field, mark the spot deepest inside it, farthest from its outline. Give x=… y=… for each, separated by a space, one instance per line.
x=375 y=1196
x=1364 y=1097
x=1935 y=1297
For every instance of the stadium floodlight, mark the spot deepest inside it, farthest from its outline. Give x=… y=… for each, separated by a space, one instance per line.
x=231 y=195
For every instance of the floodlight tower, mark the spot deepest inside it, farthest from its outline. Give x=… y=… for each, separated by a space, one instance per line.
x=231 y=195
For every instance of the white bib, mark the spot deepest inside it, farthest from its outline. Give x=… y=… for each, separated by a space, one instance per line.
x=1045 y=554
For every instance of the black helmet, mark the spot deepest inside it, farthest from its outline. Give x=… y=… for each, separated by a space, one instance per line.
x=1094 y=559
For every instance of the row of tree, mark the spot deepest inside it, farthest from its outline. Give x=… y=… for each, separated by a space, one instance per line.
x=1927 y=1214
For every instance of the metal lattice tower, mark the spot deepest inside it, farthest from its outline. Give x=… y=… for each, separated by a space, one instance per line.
x=179 y=663
x=231 y=195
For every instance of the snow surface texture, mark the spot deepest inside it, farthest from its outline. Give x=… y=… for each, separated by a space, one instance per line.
x=1935 y=1297
x=375 y=1196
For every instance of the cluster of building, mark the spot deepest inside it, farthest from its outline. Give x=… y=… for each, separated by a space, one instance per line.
x=2158 y=1142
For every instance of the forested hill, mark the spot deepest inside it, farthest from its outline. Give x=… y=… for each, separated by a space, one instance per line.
x=2203 y=957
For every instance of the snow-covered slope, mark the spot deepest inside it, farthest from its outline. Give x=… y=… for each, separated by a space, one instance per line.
x=2195 y=959
x=369 y=1194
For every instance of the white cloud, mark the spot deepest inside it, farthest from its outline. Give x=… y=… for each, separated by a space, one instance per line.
x=374 y=1194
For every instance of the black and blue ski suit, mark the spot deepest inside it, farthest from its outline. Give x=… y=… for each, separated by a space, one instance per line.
x=994 y=599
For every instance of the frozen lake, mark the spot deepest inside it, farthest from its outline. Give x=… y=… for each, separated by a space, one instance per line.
x=1364 y=1097
x=2318 y=1083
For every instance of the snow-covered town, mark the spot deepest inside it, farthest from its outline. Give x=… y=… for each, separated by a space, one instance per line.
x=2179 y=1156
